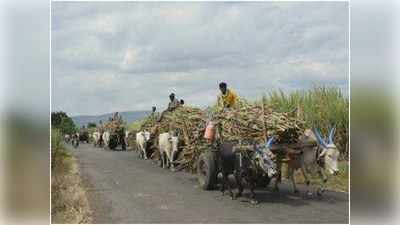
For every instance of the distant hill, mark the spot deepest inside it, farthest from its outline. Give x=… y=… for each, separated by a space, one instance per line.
x=128 y=116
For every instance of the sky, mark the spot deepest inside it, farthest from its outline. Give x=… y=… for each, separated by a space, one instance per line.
x=121 y=56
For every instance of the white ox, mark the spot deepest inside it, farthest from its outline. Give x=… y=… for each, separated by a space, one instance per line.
x=106 y=138
x=141 y=142
x=323 y=157
x=168 y=146
x=126 y=138
x=96 y=138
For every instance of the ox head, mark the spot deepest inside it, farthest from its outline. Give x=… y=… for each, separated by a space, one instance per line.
x=264 y=159
x=174 y=141
x=330 y=153
x=146 y=135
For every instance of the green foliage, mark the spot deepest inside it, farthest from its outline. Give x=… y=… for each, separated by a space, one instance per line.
x=135 y=126
x=63 y=122
x=58 y=153
x=320 y=107
x=91 y=125
x=56 y=140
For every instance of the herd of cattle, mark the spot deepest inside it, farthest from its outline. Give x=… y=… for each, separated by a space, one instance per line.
x=248 y=168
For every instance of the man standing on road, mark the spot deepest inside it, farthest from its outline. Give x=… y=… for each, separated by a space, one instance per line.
x=228 y=97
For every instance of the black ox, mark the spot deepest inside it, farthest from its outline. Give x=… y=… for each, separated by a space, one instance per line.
x=247 y=166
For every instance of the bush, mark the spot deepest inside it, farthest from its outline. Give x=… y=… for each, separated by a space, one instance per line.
x=91 y=125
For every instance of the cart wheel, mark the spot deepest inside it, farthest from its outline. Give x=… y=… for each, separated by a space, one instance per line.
x=113 y=142
x=123 y=143
x=206 y=170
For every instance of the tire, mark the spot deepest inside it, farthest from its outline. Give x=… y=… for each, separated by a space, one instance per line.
x=207 y=170
x=123 y=143
x=113 y=142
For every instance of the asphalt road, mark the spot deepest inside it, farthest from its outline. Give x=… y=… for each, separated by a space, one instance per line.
x=125 y=189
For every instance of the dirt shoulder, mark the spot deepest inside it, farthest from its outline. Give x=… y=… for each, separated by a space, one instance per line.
x=69 y=203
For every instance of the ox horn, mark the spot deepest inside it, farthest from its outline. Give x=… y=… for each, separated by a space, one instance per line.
x=331 y=135
x=319 y=138
x=269 y=142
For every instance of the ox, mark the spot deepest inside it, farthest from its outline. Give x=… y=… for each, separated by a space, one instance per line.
x=126 y=138
x=247 y=166
x=106 y=138
x=168 y=146
x=96 y=138
x=75 y=140
x=323 y=157
x=141 y=143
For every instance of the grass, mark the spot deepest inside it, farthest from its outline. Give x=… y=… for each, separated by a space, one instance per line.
x=69 y=202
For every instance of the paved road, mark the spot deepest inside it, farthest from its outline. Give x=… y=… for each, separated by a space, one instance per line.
x=125 y=189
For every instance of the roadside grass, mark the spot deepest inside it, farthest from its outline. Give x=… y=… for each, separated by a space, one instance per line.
x=339 y=182
x=69 y=202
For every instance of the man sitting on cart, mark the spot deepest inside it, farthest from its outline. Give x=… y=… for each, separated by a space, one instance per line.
x=172 y=105
x=228 y=97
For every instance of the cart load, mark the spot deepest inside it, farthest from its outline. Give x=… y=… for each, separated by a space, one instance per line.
x=247 y=122
x=256 y=122
x=116 y=130
x=190 y=123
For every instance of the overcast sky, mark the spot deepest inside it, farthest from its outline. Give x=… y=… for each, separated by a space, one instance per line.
x=123 y=56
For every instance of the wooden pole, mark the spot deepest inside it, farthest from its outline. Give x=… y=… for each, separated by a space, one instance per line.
x=263 y=119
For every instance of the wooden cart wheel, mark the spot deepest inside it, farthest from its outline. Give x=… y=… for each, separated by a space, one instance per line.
x=206 y=170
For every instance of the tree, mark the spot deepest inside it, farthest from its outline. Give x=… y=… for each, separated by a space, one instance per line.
x=63 y=122
x=91 y=125
x=56 y=118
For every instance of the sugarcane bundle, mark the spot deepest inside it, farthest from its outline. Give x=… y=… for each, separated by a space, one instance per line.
x=189 y=123
x=115 y=126
x=149 y=122
x=256 y=122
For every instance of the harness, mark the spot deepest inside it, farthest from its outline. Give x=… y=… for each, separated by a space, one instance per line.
x=319 y=159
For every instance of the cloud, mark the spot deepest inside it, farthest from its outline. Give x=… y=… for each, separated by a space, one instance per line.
x=131 y=55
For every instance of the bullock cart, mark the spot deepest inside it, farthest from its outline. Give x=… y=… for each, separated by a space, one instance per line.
x=117 y=137
x=209 y=165
x=84 y=136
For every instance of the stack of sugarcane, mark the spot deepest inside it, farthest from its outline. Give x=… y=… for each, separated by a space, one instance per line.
x=255 y=122
x=115 y=126
x=149 y=122
x=189 y=123
x=246 y=122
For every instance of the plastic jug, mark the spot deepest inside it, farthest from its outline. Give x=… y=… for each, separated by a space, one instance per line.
x=209 y=133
